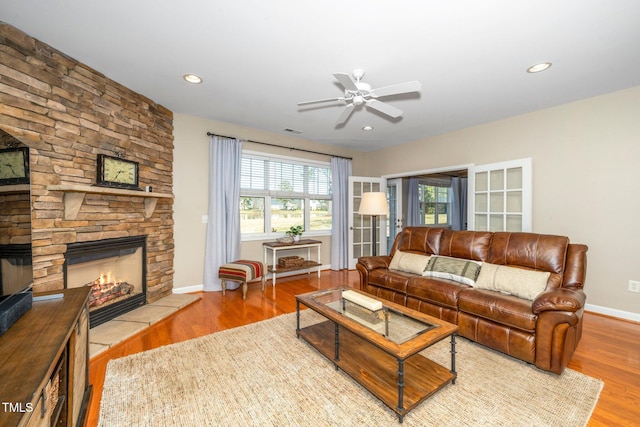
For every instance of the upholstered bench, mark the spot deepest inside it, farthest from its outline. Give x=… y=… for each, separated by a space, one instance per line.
x=242 y=271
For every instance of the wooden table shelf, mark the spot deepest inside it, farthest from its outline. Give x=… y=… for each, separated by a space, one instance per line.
x=274 y=269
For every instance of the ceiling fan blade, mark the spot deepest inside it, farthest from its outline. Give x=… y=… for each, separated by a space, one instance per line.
x=347 y=81
x=387 y=109
x=345 y=114
x=321 y=100
x=396 y=89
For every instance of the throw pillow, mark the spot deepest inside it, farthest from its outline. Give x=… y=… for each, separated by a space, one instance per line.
x=408 y=262
x=460 y=270
x=522 y=283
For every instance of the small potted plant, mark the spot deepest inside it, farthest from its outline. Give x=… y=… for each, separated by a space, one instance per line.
x=295 y=231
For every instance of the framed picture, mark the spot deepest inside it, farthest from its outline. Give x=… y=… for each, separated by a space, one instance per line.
x=117 y=172
x=14 y=166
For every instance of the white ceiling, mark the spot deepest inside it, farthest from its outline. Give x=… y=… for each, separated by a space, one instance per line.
x=260 y=58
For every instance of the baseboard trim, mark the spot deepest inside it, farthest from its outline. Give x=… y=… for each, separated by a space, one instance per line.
x=188 y=289
x=626 y=315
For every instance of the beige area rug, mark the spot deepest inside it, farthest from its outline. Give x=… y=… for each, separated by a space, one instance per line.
x=262 y=375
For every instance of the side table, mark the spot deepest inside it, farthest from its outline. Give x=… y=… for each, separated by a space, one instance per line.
x=273 y=267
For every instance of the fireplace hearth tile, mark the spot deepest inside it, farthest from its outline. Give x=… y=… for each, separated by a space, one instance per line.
x=148 y=314
x=114 y=331
x=117 y=330
x=95 y=349
x=176 y=300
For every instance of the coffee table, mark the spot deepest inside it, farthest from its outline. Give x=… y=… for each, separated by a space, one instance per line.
x=377 y=343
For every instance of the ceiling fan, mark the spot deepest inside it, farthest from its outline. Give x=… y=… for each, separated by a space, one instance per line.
x=358 y=93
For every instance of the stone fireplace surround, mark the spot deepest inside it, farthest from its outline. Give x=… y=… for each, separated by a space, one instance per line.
x=67 y=114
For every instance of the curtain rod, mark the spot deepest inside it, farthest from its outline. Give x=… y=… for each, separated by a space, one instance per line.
x=282 y=146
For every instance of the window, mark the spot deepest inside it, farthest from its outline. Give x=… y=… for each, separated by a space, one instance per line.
x=434 y=197
x=278 y=193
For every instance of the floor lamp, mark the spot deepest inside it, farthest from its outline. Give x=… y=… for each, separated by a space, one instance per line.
x=374 y=204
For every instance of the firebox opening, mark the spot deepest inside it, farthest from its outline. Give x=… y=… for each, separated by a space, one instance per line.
x=115 y=269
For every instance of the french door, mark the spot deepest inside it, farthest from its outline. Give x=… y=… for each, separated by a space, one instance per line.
x=500 y=196
x=361 y=226
x=394 y=196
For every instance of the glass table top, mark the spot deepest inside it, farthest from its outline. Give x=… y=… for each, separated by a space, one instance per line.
x=394 y=325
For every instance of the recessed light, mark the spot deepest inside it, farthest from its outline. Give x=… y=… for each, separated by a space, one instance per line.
x=367 y=128
x=536 y=68
x=192 y=78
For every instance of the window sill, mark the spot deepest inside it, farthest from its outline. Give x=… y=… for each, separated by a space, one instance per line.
x=274 y=236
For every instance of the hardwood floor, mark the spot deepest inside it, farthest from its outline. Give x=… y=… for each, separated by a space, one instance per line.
x=609 y=349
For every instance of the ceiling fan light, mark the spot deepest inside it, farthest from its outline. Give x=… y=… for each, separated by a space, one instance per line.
x=358 y=100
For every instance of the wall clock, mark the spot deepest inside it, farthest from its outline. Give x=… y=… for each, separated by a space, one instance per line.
x=14 y=166
x=117 y=172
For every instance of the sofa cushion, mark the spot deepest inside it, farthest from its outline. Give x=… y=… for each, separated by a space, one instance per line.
x=409 y=262
x=425 y=240
x=499 y=308
x=466 y=244
x=541 y=252
x=436 y=291
x=459 y=270
x=515 y=281
x=395 y=280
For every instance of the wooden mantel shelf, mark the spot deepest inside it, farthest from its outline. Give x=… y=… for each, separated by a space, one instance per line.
x=14 y=189
x=74 y=196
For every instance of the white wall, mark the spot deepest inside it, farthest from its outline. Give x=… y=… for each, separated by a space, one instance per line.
x=586 y=183
x=190 y=184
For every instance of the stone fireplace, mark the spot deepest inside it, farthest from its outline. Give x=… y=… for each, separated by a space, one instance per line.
x=115 y=269
x=68 y=114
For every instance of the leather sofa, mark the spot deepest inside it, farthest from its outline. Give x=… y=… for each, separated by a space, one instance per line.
x=543 y=330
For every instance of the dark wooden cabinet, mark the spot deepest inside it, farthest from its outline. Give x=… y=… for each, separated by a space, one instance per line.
x=44 y=364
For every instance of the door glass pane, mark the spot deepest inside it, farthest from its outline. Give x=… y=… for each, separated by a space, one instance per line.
x=514 y=223
x=357 y=191
x=481 y=202
x=496 y=222
x=497 y=202
x=497 y=180
x=514 y=178
x=357 y=222
x=482 y=181
x=514 y=201
x=481 y=222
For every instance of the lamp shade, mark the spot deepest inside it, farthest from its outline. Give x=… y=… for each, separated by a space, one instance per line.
x=374 y=203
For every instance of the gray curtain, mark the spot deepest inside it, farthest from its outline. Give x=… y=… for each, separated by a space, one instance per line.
x=459 y=203
x=413 y=204
x=223 y=227
x=340 y=173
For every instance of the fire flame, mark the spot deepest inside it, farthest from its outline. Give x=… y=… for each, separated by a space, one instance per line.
x=108 y=279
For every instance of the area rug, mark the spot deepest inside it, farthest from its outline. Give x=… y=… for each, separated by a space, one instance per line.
x=262 y=375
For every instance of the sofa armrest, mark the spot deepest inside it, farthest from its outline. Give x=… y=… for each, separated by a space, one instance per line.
x=370 y=263
x=562 y=299
x=374 y=262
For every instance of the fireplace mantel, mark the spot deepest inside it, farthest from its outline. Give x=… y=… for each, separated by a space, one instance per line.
x=74 y=196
